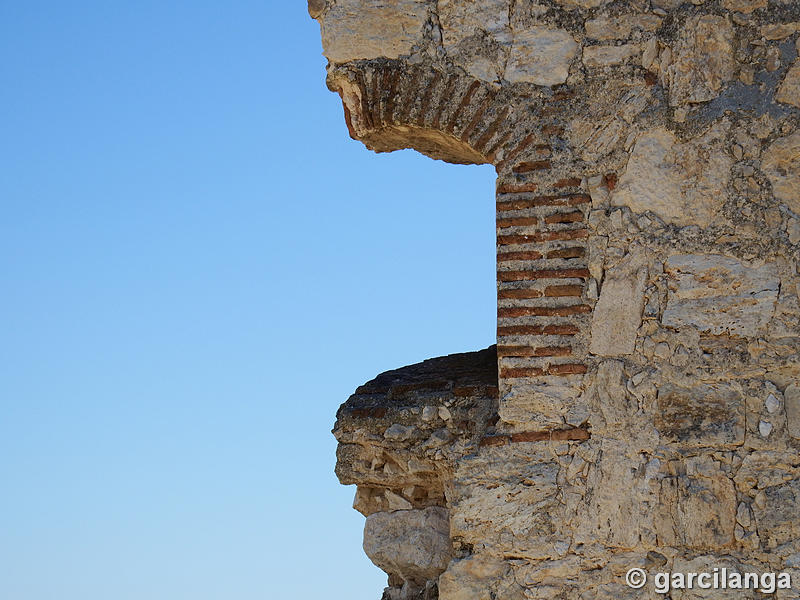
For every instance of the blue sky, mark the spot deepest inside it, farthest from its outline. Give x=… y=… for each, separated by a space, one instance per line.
x=198 y=266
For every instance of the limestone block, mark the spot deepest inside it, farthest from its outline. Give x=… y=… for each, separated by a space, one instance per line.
x=704 y=415
x=606 y=28
x=476 y=35
x=412 y=544
x=606 y=56
x=582 y=3
x=781 y=163
x=363 y=29
x=538 y=405
x=777 y=520
x=766 y=469
x=683 y=183
x=702 y=60
x=744 y=6
x=719 y=294
x=506 y=500
x=698 y=506
x=479 y=577
x=618 y=312
x=541 y=55
x=789 y=91
x=608 y=516
x=707 y=564
x=597 y=136
x=791 y=397
x=461 y=19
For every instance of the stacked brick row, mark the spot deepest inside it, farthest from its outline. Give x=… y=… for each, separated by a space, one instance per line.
x=542 y=271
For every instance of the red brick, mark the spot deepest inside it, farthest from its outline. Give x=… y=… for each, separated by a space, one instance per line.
x=529 y=255
x=516 y=188
x=567 y=182
x=537 y=330
x=569 y=369
x=518 y=294
x=532 y=165
x=494 y=440
x=575 y=252
x=523 y=203
x=516 y=222
x=576 y=434
x=542 y=274
x=529 y=351
x=570 y=217
x=560 y=291
x=545 y=236
x=492 y=129
x=520 y=372
x=543 y=311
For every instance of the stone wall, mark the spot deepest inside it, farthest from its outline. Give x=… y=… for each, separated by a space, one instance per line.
x=642 y=405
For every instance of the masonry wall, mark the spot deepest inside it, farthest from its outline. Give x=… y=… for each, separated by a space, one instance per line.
x=643 y=409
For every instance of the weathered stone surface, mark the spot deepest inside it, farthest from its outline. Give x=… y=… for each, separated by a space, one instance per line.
x=479 y=577
x=483 y=515
x=606 y=56
x=414 y=544
x=354 y=29
x=719 y=294
x=702 y=60
x=583 y=3
x=792 y=403
x=698 y=507
x=789 y=91
x=541 y=55
x=598 y=136
x=618 y=312
x=538 y=406
x=781 y=163
x=476 y=35
x=605 y=515
x=606 y=28
x=776 y=520
x=779 y=31
x=682 y=183
x=744 y=6
x=703 y=415
x=462 y=19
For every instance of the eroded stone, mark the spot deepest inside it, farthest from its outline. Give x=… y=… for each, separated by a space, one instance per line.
x=702 y=60
x=704 y=415
x=781 y=163
x=719 y=294
x=683 y=183
x=618 y=312
x=413 y=544
x=363 y=29
x=541 y=55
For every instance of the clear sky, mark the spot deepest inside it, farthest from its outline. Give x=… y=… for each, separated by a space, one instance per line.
x=198 y=266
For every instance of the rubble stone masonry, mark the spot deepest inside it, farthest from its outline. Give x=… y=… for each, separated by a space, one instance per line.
x=642 y=405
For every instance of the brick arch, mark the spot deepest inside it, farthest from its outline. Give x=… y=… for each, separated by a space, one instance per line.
x=543 y=306
x=448 y=116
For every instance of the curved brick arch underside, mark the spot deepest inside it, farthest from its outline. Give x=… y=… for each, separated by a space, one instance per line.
x=390 y=105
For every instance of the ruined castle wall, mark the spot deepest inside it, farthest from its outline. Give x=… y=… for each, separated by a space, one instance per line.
x=643 y=408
